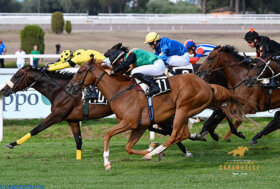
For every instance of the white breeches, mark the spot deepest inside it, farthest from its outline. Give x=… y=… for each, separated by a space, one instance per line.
x=179 y=60
x=151 y=70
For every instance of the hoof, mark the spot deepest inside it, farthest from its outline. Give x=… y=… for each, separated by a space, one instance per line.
x=161 y=156
x=9 y=146
x=189 y=155
x=253 y=142
x=147 y=157
x=197 y=137
x=241 y=135
x=108 y=166
x=214 y=136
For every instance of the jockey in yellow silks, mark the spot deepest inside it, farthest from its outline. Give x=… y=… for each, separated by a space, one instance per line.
x=68 y=58
x=79 y=57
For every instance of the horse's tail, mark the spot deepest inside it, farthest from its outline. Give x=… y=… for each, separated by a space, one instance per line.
x=232 y=105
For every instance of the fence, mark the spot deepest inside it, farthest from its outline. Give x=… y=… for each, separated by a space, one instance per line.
x=45 y=18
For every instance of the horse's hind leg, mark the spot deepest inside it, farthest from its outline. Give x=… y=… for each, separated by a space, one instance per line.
x=75 y=127
x=211 y=124
x=47 y=122
x=236 y=125
x=135 y=135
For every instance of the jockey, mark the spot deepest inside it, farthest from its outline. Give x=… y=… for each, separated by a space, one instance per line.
x=146 y=65
x=200 y=50
x=170 y=51
x=264 y=46
x=79 y=57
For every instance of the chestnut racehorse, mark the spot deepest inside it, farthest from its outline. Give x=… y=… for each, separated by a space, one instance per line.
x=227 y=59
x=189 y=95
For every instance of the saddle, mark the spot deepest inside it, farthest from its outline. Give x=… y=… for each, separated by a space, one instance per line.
x=161 y=81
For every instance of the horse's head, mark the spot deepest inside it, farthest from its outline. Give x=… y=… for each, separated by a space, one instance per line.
x=20 y=81
x=261 y=70
x=211 y=63
x=118 y=46
x=83 y=77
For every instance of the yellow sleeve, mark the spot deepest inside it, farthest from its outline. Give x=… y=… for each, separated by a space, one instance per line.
x=58 y=66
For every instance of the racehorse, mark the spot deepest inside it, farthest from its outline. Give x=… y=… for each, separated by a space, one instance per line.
x=217 y=78
x=131 y=107
x=262 y=72
x=64 y=107
x=227 y=59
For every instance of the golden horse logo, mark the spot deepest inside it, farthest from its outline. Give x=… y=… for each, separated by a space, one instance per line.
x=240 y=151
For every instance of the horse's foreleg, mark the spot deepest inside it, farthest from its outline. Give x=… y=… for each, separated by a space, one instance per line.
x=135 y=135
x=272 y=126
x=236 y=125
x=75 y=127
x=119 y=128
x=47 y=122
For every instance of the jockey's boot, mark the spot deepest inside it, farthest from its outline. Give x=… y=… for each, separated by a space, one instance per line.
x=153 y=87
x=91 y=93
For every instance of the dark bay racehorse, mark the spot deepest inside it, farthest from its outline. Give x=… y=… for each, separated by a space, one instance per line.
x=64 y=107
x=263 y=71
x=131 y=108
x=228 y=60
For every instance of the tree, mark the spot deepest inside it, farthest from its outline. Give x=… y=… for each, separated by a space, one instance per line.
x=10 y=6
x=68 y=26
x=32 y=35
x=57 y=22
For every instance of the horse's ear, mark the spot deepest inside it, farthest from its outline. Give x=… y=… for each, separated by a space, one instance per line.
x=268 y=58
x=118 y=46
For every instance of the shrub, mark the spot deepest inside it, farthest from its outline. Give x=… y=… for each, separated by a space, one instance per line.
x=32 y=35
x=68 y=26
x=57 y=22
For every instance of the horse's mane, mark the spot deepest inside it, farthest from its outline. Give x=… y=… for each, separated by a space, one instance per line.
x=53 y=74
x=119 y=77
x=229 y=49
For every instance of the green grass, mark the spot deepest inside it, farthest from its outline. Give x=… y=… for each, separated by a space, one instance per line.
x=49 y=159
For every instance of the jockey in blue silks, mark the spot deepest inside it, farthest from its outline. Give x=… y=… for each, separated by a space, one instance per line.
x=170 y=51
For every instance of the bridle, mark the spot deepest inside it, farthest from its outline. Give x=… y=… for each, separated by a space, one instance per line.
x=24 y=79
x=213 y=69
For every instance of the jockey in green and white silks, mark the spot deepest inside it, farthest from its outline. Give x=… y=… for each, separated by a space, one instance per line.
x=146 y=65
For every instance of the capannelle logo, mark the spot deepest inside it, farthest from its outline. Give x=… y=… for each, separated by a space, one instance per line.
x=239 y=151
x=239 y=166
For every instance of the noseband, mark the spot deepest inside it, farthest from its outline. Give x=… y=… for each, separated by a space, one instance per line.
x=23 y=79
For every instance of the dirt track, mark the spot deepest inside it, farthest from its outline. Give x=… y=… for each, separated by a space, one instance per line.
x=101 y=41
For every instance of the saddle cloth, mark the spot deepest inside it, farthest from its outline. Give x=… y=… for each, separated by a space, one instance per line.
x=161 y=81
x=180 y=70
x=100 y=100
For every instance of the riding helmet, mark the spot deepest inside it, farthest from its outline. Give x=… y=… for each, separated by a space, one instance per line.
x=151 y=37
x=66 y=56
x=251 y=35
x=116 y=56
x=189 y=44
